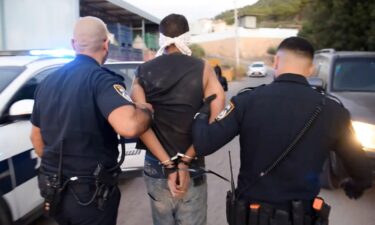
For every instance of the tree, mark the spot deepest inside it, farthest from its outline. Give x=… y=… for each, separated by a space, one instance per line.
x=197 y=51
x=341 y=24
x=271 y=12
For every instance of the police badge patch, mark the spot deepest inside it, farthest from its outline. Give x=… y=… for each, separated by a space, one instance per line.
x=121 y=91
x=227 y=110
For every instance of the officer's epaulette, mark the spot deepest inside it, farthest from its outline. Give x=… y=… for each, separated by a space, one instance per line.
x=334 y=98
x=249 y=89
x=113 y=73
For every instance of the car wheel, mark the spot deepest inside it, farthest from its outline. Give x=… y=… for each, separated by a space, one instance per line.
x=333 y=172
x=327 y=179
x=5 y=217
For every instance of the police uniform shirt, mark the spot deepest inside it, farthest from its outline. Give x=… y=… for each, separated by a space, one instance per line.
x=268 y=119
x=71 y=108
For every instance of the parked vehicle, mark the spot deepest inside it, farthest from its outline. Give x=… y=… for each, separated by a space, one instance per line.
x=257 y=69
x=350 y=77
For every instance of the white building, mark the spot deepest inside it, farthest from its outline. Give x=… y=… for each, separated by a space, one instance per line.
x=42 y=24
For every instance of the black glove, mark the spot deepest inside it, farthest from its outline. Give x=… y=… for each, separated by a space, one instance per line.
x=205 y=109
x=353 y=189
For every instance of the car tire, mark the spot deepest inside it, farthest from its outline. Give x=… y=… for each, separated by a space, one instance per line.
x=333 y=172
x=5 y=216
x=327 y=179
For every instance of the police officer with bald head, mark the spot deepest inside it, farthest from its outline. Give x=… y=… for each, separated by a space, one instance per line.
x=78 y=112
x=286 y=130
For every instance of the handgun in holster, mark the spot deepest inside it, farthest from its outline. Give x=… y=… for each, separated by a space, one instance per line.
x=106 y=181
x=104 y=176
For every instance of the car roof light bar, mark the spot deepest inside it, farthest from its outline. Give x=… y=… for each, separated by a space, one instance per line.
x=53 y=53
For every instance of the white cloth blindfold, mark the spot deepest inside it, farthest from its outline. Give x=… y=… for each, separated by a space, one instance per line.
x=181 y=42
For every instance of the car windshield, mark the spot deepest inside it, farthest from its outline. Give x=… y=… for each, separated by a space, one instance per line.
x=125 y=70
x=8 y=74
x=257 y=65
x=354 y=74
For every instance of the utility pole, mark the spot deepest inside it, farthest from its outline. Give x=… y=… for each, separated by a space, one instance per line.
x=236 y=38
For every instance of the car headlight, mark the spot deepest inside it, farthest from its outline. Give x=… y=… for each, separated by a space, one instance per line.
x=365 y=133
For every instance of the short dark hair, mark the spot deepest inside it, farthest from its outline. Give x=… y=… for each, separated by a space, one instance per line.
x=174 y=25
x=297 y=45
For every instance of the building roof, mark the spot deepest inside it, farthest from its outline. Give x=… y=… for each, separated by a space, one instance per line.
x=117 y=11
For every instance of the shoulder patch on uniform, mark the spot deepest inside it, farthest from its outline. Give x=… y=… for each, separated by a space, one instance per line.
x=227 y=110
x=121 y=91
x=249 y=89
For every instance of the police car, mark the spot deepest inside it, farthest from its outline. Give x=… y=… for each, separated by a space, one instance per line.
x=19 y=77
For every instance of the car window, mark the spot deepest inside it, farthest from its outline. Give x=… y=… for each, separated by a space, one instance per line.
x=354 y=74
x=8 y=74
x=28 y=89
x=257 y=65
x=321 y=68
x=125 y=70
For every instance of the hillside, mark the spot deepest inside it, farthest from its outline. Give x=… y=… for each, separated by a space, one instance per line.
x=272 y=13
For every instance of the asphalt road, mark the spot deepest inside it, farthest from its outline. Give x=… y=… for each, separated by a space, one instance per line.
x=135 y=210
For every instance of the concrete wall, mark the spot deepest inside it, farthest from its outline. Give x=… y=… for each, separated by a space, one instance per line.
x=38 y=24
x=1 y=25
x=253 y=43
x=251 y=49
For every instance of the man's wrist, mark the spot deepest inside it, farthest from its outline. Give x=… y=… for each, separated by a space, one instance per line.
x=184 y=164
x=167 y=163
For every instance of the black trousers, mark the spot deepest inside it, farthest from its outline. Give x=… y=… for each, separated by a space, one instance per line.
x=71 y=213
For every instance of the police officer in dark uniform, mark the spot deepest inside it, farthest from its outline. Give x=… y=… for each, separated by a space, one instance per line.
x=78 y=111
x=287 y=130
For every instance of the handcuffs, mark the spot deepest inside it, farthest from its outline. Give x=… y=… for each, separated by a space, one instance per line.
x=171 y=165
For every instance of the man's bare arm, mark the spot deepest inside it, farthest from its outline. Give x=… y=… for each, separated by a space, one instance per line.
x=130 y=120
x=148 y=138
x=211 y=86
x=37 y=140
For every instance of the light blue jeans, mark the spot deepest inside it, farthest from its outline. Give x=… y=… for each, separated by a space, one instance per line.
x=166 y=210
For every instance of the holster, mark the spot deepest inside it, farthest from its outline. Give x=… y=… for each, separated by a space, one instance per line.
x=103 y=195
x=106 y=182
x=51 y=190
x=104 y=176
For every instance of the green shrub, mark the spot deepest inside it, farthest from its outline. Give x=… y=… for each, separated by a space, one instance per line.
x=197 y=51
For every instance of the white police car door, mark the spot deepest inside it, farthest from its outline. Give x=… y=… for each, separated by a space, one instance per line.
x=18 y=171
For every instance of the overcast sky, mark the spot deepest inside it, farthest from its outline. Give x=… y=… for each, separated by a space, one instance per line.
x=192 y=9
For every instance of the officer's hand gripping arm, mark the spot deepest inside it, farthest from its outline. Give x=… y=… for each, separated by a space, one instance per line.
x=208 y=138
x=130 y=121
x=127 y=119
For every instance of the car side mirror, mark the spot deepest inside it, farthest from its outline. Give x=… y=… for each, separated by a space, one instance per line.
x=316 y=83
x=21 y=109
